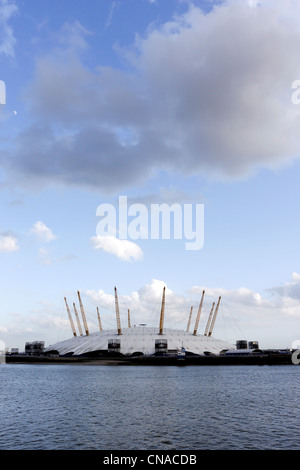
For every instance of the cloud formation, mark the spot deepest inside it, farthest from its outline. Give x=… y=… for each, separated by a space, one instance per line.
x=268 y=320
x=42 y=232
x=7 y=39
x=287 y=296
x=8 y=243
x=144 y=304
x=240 y=309
x=123 y=249
x=202 y=94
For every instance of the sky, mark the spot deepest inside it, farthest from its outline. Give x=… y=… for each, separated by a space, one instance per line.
x=191 y=104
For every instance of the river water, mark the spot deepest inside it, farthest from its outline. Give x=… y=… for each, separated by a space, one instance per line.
x=73 y=407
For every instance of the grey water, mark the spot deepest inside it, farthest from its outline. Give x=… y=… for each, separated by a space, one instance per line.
x=73 y=407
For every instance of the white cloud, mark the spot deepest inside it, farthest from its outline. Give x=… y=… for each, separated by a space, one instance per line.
x=289 y=294
x=8 y=243
x=242 y=296
x=296 y=277
x=101 y=298
x=113 y=7
x=239 y=309
x=43 y=232
x=272 y=315
x=243 y=313
x=253 y=3
x=123 y=249
x=144 y=304
x=44 y=257
x=206 y=94
x=7 y=40
x=73 y=36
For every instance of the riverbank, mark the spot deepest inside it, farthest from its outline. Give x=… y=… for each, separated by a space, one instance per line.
x=266 y=358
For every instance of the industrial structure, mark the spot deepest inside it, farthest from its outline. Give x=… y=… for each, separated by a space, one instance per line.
x=34 y=347
x=142 y=345
x=140 y=340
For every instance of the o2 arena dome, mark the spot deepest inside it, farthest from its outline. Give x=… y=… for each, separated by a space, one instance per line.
x=140 y=340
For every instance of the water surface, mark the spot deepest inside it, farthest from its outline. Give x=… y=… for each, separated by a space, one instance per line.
x=75 y=407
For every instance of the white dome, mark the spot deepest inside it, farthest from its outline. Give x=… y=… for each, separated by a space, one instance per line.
x=140 y=339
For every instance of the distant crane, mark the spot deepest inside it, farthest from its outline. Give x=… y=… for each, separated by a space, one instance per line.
x=70 y=318
x=198 y=314
x=83 y=315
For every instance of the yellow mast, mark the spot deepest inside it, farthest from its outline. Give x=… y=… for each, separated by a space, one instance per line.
x=129 y=324
x=189 y=321
x=83 y=315
x=198 y=314
x=117 y=313
x=162 y=313
x=209 y=319
x=214 y=317
x=99 y=321
x=70 y=318
x=78 y=321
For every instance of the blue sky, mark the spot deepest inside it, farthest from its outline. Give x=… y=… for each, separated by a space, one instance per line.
x=175 y=102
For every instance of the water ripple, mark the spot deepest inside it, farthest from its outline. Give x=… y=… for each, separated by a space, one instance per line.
x=88 y=407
